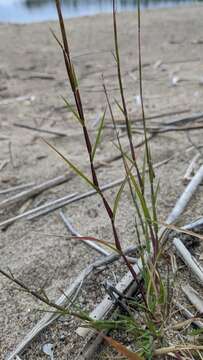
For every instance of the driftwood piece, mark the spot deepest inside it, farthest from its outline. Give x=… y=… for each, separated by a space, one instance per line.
x=25 y=195
x=104 y=308
x=56 y=204
x=89 y=349
x=16 y=188
x=189 y=260
x=186 y=196
x=92 y=244
x=45 y=208
x=35 y=190
x=46 y=131
x=193 y=297
x=191 y=168
x=189 y=315
x=64 y=300
x=194 y=224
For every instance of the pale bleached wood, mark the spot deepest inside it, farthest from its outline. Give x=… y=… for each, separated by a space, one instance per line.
x=106 y=305
x=189 y=260
x=195 y=224
x=48 y=207
x=35 y=190
x=64 y=300
x=186 y=196
x=193 y=297
x=16 y=188
x=59 y=203
x=191 y=168
x=189 y=315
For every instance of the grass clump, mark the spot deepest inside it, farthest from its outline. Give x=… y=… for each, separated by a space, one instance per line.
x=147 y=317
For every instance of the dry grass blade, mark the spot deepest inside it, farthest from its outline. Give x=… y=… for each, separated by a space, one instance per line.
x=122 y=349
x=177 y=348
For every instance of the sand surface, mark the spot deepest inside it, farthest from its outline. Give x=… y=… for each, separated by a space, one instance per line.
x=32 y=81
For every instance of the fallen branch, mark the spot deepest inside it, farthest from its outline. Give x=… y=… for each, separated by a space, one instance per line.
x=194 y=224
x=42 y=209
x=189 y=172
x=59 y=203
x=35 y=190
x=186 y=196
x=189 y=260
x=189 y=315
x=193 y=297
x=16 y=188
x=105 y=307
x=177 y=348
x=64 y=300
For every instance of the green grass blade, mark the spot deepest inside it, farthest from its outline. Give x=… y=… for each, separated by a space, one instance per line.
x=71 y=109
x=73 y=167
x=118 y=197
x=101 y=126
x=119 y=106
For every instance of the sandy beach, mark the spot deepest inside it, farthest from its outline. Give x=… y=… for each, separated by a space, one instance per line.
x=32 y=82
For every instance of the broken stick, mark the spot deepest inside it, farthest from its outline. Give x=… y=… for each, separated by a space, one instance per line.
x=189 y=260
x=35 y=190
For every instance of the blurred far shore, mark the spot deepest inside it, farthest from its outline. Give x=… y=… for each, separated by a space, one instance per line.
x=26 y=11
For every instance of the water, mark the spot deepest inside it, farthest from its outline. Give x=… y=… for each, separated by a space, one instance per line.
x=39 y=10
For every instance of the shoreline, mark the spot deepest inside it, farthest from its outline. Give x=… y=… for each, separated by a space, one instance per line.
x=108 y=13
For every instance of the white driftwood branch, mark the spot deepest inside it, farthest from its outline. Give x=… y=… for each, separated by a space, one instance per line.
x=193 y=297
x=56 y=204
x=186 y=196
x=48 y=207
x=64 y=300
x=16 y=188
x=191 y=168
x=35 y=190
x=197 y=223
x=189 y=260
x=189 y=315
